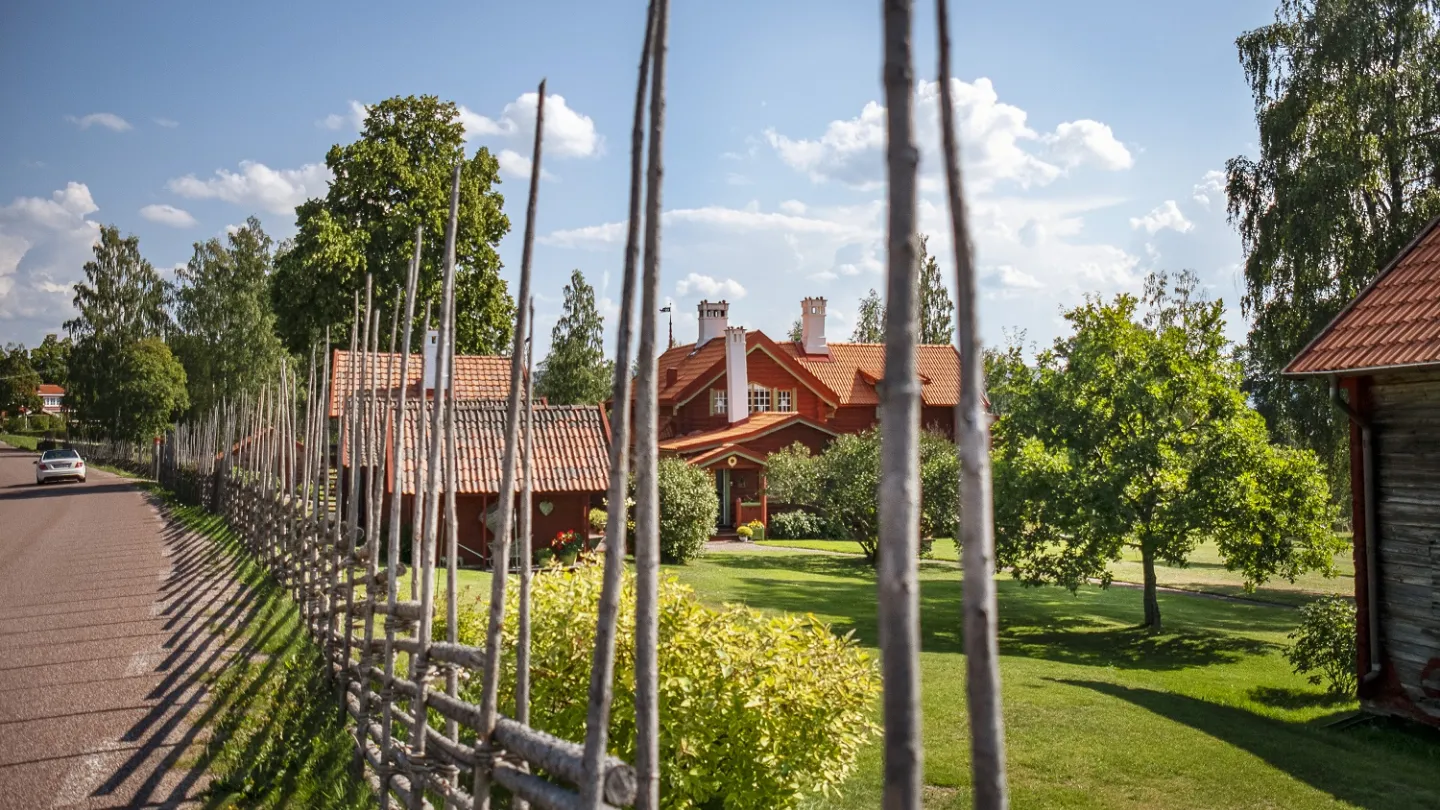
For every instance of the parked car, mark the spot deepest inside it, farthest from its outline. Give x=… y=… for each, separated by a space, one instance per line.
x=57 y=465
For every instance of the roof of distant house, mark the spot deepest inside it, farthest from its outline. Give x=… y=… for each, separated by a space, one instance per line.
x=1392 y=324
x=50 y=390
x=571 y=448
x=477 y=376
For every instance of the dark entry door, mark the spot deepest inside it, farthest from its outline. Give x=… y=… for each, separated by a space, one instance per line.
x=722 y=489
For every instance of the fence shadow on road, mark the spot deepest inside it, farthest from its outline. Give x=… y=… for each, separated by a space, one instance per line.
x=238 y=693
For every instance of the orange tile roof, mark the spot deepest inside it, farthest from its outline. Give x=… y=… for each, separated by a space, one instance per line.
x=572 y=448
x=477 y=376
x=49 y=390
x=848 y=374
x=1393 y=323
x=757 y=424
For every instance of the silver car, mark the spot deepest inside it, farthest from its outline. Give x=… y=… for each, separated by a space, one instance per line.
x=55 y=465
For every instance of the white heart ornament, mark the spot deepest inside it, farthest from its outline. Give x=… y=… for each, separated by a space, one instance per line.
x=546 y=508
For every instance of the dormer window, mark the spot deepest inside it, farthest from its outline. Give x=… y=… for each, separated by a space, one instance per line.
x=784 y=400
x=717 y=401
x=759 y=399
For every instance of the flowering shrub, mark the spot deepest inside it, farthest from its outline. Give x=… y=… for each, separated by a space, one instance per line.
x=567 y=542
x=757 y=711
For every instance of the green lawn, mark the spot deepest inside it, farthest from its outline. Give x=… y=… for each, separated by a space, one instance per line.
x=1100 y=714
x=20 y=442
x=1205 y=572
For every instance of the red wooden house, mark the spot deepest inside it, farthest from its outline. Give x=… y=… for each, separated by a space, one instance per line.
x=734 y=396
x=1383 y=352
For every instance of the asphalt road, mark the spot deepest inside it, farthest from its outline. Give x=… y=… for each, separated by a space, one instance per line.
x=106 y=615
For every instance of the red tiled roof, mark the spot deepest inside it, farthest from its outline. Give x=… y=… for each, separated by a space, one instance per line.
x=847 y=376
x=572 y=448
x=757 y=424
x=1393 y=323
x=49 y=390
x=477 y=376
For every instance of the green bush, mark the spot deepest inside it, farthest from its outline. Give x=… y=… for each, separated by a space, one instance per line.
x=688 y=509
x=1323 y=646
x=795 y=525
x=756 y=710
x=598 y=518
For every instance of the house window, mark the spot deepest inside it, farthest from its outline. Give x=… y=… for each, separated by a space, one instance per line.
x=717 y=401
x=759 y=399
x=784 y=401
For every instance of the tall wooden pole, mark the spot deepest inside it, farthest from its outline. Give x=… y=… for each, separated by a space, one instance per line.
x=603 y=661
x=977 y=527
x=500 y=548
x=898 y=574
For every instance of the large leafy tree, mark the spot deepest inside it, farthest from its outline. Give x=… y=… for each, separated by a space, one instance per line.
x=869 y=319
x=576 y=372
x=1348 y=111
x=226 y=329
x=120 y=302
x=18 y=382
x=937 y=310
x=396 y=177
x=51 y=360
x=150 y=390
x=1132 y=433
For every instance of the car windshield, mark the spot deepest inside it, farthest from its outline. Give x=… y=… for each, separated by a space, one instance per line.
x=58 y=455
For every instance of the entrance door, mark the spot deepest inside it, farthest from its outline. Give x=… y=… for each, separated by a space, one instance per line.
x=722 y=489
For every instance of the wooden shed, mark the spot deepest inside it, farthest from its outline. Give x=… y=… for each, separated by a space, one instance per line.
x=1383 y=352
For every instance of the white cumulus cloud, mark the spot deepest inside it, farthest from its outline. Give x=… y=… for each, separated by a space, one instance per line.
x=44 y=244
x=709 y=286
x=107 y=120
x=568 y=133
x=256 y=185
x=168 y=215
x=996 y=142
x=1165 y=215
x=354 y=118
x=518 y=166
x=1212 y=184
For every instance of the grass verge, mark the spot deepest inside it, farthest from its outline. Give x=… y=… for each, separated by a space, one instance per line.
x=278 y=735
x=20 y=442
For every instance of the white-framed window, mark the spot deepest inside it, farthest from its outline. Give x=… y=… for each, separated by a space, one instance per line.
x=717 y=401
x=759 y=399
x=784 y=400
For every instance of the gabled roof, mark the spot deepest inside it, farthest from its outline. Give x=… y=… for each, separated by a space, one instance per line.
x=477 y=376
x=752 y=427
x=1394 y=323
x=49 y=390
x=572 y=448
x=723 y=452
x=846 y=377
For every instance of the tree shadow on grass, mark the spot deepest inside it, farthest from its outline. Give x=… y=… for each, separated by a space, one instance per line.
x=1377 y=769
x=1092 y=627
x=1287 y=698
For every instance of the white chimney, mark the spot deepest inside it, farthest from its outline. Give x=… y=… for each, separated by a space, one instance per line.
x=737 y=378
x=812 y=326
x=714 y=319
x=431 y=359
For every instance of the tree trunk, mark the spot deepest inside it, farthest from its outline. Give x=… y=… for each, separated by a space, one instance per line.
x=1152 y=603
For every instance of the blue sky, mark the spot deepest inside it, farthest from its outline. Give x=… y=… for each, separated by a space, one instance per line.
x=1090 y=133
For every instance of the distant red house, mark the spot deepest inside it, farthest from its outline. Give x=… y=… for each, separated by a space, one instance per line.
x=734 y=396
x=1383 y=351
x=52 y=398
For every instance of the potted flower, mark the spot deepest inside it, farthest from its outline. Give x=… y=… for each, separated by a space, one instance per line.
x=757 y=529
x=744 y=533
x=567 y=546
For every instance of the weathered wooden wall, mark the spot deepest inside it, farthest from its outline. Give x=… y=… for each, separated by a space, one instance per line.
x=1405 y=413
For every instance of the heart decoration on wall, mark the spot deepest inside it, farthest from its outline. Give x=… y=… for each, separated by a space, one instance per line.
x=546 y=508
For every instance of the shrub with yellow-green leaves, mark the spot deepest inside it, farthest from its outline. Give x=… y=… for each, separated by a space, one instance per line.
x=757 y=710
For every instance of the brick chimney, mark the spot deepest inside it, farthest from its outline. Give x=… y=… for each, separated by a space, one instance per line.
x=737 y=376
x=812 y=326
x=714 y=320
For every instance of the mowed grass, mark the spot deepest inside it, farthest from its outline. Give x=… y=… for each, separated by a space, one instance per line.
x=1205 y=572
x=1099 y=713
x=20 y=442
